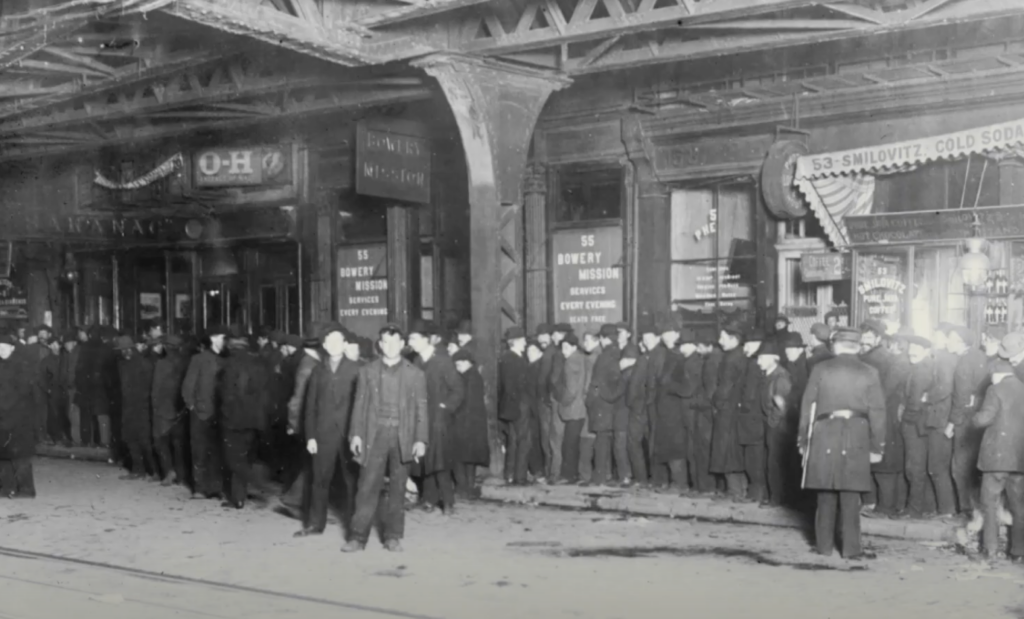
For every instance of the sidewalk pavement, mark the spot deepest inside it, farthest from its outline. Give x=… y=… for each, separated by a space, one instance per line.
x=651 y=503
x=643 y=502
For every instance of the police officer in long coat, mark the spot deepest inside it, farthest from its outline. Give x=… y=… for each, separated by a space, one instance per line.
x=842 y=431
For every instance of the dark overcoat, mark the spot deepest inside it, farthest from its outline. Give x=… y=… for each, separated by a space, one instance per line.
x=893 y=372
x=244 y=391
x=136 y=398
x=606 y=390
x=1002 y=416
x=839 y=449
x=168 y=407
x=17 y=423
x=469 y=443
x=412 y=411
x=445 y=393
x=750 y=421
x=726 y=454
x=681 y=393
x=328 y=406
x=512 y=386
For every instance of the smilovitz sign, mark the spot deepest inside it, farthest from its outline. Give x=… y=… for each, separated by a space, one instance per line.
x=887 y=156
x=392 y=162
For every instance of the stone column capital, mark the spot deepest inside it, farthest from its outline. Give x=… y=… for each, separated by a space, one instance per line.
x=535 y=178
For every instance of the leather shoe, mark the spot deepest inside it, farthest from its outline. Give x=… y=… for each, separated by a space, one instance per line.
x=353 y=546
x=393 y=545
x=307 y=531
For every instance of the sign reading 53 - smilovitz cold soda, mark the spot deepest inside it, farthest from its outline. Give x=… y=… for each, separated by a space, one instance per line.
x=588 y=276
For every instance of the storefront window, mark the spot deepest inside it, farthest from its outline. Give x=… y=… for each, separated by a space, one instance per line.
x=588 y=194
x=714 y=265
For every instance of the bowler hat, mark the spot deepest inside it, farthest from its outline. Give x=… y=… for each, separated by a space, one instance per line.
x=769 y=348
x=687 y=336
x=793 y=340
x=734 y=328
x=311 y=334
x=423 y=327
x=669 y=322
x=846 y=334
x=215 y=331
x=292 y=340
x=463 y=354
x=514 y=333
x=609 y=331
x=646 y=325
x=783 y=318
x=543 y=329
x=706 y=336
x=572 y=339
x=123 y=342
x=1012 y=345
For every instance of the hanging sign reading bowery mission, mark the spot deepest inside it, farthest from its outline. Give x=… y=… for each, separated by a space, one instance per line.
x=392 y=162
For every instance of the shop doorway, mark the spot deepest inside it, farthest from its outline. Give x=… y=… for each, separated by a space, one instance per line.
x=223 y=303
x=279 y=305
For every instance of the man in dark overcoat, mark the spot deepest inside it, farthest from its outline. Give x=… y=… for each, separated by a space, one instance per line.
x=704 y=418
x=17 y=423
x=842 y=431
x=1001 y=459
x=299 y=477
x=199 y=391
x=556 y=378
x=874 y=353
x=726 y=453
x=388 y=433
x=777 y=406
x=822 y=336
x=512 y=405
x=750 y=420
x=328 y=411
x=169 y=422
x=658 y=357
x=244 y=413
x=136 y=371
x=604 y=395
x=469 y=446
x=445 y=392
x=681 y=392
x=970 y=379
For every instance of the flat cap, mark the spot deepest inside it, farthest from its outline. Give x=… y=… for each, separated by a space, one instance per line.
x=463 y=354
x=846 y=334
x=734 y=328
x=873 y=326
x=1001 y=366
x=821 y=331
x=1012 y=345
x=669 y=322
x=215 y=331
x=543 y=329
x=292 y=340
x=609 y=331
x=123 y=342
x=333 y=327
x=572 y=339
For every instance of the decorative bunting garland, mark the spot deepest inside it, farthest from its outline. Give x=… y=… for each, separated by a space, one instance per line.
x=172 y=165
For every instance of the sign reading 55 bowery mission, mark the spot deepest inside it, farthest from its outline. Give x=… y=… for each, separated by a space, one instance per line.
x=363 y=287
x=588 y=277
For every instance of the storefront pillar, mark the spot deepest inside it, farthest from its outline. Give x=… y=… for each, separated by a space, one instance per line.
x=403 y=264
x=496 y=107
x=649 y=203
x=321 y=279
x=535 y=215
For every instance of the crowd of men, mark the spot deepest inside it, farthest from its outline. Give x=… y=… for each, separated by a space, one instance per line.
x=887 y=424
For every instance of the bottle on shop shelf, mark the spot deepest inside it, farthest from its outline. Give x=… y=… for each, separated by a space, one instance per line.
x=990 y=283
x=1006 y=282
x=988 y=314
x=1000 y=283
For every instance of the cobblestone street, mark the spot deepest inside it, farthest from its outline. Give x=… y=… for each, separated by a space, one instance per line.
x=488 y=561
